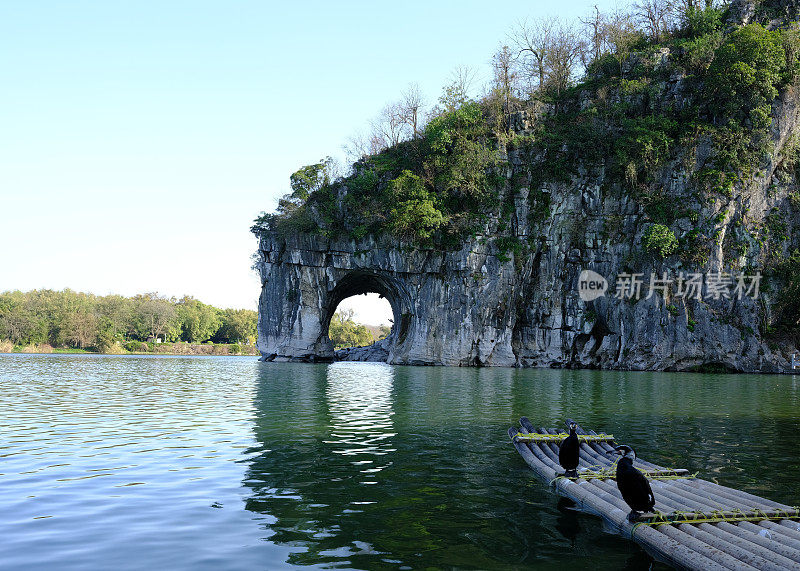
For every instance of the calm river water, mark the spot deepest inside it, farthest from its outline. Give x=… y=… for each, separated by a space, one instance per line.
x=228 y=463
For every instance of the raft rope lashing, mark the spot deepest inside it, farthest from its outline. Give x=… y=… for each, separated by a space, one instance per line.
x=558 y=438
x=730 y=515
x=610 y=473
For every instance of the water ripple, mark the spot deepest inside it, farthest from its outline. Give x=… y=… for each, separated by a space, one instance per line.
x=195 y=463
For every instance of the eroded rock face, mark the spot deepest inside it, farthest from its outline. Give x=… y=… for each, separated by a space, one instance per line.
x=450 y=308
x=479 y=306
x=469 y=308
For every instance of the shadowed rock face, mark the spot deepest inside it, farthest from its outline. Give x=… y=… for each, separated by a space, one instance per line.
x=475 y=307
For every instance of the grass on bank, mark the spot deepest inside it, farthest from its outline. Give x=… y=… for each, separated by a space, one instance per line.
x=138 y=348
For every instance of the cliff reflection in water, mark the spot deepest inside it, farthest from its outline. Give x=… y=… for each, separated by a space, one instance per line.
x=365 y=465
x=325 y=433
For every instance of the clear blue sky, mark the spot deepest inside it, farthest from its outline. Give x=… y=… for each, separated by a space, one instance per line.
x=139 y=139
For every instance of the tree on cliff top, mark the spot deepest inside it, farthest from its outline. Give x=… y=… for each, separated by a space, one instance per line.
x=415 y=214
x=744 y=77
x=306 y=181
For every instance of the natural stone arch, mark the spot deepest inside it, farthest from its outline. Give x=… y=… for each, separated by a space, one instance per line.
x=450 y=307
x=359 y=282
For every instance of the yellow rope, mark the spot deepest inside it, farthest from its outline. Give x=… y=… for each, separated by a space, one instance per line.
x=610 y=473
x=717 y=516
x=558 y=438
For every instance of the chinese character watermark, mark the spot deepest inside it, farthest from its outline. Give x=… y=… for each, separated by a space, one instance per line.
x=691 y=285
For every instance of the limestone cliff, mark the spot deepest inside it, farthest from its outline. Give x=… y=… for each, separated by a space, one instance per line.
x=508 y=295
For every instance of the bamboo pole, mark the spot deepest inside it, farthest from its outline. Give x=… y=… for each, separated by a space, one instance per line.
x=679 y=534
x=606 y=447
x=525 y=423
x=792 y=525
x=734 y=493
x=738 y=553
x=714 y=553
x=546 y=448
x=778 y=530
x=590 y=452
x=637 y=463
x=552 y=451
x=785 y=558
x=663 y=503
x=529 y=456
x=776 y=537
x=776 y=561
x=775 y=541
x=717 y=494
x=686 y=503
x=705 y=503
x=582 y=460
x=542 y=457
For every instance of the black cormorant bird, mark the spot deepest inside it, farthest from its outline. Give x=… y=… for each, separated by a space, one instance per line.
x=569 y=451
x=632 y=484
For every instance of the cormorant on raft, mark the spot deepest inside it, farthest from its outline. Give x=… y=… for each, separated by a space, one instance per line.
x=632 y=484
x=569 y=451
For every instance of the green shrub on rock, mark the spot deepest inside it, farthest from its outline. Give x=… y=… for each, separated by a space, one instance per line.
x=745 y=75
x=659 y=240
x=415 y=214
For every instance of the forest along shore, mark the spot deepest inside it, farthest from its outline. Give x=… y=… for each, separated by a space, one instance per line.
x=46 y=321
x=138 y=348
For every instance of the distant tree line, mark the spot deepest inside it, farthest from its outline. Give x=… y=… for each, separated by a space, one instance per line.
x=80 y=320
x=345 y=332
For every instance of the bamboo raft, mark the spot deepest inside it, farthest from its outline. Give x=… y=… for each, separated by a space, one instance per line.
x=696 y=524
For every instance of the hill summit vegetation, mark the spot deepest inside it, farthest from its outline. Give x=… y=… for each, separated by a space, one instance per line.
x=428 y=177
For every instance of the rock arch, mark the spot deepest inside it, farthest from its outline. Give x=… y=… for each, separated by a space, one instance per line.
x=450 y=307
x=360 y=281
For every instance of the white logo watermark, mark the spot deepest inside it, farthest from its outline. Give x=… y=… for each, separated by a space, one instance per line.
x=591 y=285
x=718 y=285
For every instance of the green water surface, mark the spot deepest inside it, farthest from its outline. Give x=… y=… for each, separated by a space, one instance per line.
x=228 y=463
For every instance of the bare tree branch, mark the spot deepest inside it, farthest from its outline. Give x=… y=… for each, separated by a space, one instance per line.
x=411 y=106
x=656 y=15
x=533 y=41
